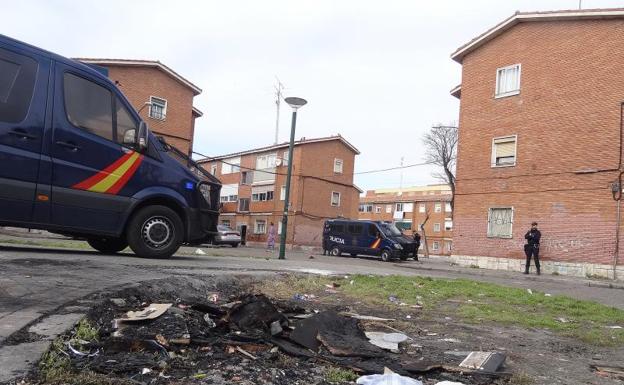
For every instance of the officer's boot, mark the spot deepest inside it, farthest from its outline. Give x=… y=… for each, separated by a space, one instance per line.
x=526 y=269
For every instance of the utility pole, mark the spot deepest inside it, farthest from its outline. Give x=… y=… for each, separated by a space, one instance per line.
x=580 y=4
x=401 y=182
x=278 y=98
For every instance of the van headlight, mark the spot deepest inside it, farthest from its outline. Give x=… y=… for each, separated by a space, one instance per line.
x=398 y=246
x=204 y=189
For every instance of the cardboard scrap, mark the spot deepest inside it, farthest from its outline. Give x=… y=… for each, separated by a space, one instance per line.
x=152 y=311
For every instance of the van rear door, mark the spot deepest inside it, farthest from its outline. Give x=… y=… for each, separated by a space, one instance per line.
x=90 y=164
x=23 y=92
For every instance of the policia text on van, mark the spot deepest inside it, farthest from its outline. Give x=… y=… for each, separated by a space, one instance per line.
x=76 y=159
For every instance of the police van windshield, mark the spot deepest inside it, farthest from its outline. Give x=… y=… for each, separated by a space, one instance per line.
x=390 y=230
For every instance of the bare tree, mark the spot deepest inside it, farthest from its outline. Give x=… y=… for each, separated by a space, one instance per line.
x=441 y=144
x=424 y=233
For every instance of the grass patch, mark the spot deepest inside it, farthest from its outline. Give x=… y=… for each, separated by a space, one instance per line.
x=521 y=379
x=478 y=302
x=339 y=375
x=69 y=244
x=55 y=365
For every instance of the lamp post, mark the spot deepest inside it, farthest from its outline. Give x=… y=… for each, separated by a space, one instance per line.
x=295 y=103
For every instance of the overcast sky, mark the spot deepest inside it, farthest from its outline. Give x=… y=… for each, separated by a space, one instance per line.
x=377 y=72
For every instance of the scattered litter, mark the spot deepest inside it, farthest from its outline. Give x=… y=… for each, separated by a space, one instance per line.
x=153 y=311
x=200 y=252
x=78 y=353
x=408 y=316
x=351 y=282
x=242 y=351
x=614 y=327
x=331 y=291
x=562 y=320
x=311 y=257
x=209 y=321
x=449 y=383
x=304 y=297
x=276 y=328
x=448 y=318
x=530 y=291
x=146 y=371
x=547 y=295
x=200 y=376
x=484 y=361
x=214 y=298
x=332 y=285
x=387 y=379
x=388 y=341
x=393 y=299
x=432 y=334
x=453 y=340
x=607 y=369
x=416 y=306
x=366 y=317
x=118 y=302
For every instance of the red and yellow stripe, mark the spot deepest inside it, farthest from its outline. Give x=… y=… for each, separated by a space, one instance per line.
x=114 y=177
x=376 y=243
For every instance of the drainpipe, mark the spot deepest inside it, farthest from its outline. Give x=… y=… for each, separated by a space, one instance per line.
x=617 y=239
x=617 y=195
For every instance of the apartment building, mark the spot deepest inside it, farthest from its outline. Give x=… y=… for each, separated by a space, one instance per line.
x=410 y=208
x=254 y=181
x=540 y=139
x=170 y=112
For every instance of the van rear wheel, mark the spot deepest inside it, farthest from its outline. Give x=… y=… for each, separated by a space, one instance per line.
x=107 y=245
x=335 y=251
x=385 y=255
x=155 y=232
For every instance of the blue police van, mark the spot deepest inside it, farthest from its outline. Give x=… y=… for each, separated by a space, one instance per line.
x=76 y=159
x=375 y=238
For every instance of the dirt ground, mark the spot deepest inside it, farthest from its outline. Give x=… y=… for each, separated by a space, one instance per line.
x=533 y=356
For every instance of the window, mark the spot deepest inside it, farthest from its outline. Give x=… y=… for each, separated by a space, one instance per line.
x=366 y=208
x=435 y=246
x=436 y=227
x=447 y=207
x=338 y=166
x=399 y=207
x=229 y=193
x=422 y=208
x=243 y=204
x=335 y=198
x=230 y=165
x=262 y=193
x=283 y=193
x=504 y=151
x=438 y=207
x=448 y=224
x=246 y=177
x=126 y=126
x=355 y=229
x=158 y=108
x=388 y=209
x=508 y=81
x=403 y=225
x=377 y=209
x=266 y=166
x=500 y=221
x=17 y=84
x=285 y=158
x=226 y=222
x=408 y=207
x=449 y=246
x=88 y=106
x=260 y=226
x=373 y=230
x=213 y=169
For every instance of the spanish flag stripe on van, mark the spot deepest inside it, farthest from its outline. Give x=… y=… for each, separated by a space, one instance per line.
x=376 y=243
x=114 y=177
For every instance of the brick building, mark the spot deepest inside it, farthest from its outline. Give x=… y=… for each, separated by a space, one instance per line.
x=254 y=182
x=171 y=113
x=408 y=209
x=540 y=139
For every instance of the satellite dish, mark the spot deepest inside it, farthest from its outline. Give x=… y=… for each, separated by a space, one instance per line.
x=278 y=162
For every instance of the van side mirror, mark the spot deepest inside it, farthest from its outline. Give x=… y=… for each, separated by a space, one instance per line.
x=142 y=136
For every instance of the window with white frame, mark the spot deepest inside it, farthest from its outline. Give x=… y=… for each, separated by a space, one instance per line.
x=388 y=209
x=335 y=198
x=377 y=209
x=213 y=169
x=260 y=226
x=438 y=207
x=285 y=158
x=435 y=246
x=243 y=204
x=265 y=164
x=364 y=208
x=449 y=246
x=422 y=208
x=504 y=151
x=262 y=193
x=508 y=81
x=230 y=165
x=447 y=207
x=500 y=222
x=448 y=224
x=399 y=207
x=283 y=193
x=226 y=223
x=246 y=177
x=229 y=193
x=338 y=166
x=436 y=227
x=408 y=207
x=158 y=108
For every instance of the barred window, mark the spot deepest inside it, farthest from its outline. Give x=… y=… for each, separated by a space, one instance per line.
x=500 y=221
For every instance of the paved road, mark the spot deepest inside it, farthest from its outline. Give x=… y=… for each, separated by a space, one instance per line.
x=37 y=281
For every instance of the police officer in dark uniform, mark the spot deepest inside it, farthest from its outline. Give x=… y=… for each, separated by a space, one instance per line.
x=416 y=245
x=531 y=249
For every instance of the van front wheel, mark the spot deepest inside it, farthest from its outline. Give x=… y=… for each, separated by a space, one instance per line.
x=107 y=245
x=385 y=255
x=155 y=232
x=335 y=251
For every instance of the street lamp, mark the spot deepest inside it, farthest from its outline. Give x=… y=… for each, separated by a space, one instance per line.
x=295 y=103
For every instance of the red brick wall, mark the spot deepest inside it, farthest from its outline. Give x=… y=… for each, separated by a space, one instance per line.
x=139 y=83
x=567 y=118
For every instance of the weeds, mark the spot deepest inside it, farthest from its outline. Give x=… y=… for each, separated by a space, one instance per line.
x=339 y=376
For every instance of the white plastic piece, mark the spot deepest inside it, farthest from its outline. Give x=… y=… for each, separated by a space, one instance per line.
x=387 y=379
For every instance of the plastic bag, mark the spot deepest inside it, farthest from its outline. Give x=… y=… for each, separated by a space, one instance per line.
x=387 y=379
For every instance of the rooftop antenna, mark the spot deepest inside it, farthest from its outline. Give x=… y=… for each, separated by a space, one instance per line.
x=580 y=4
x=401 y=182
x=279 y=87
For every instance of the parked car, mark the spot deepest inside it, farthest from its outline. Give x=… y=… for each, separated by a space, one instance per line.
x=376 y=238
x=78 y=160
x=226 y=236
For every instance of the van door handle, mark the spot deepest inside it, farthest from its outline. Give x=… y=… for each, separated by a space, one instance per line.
x=22 y=134
x=69 y=145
